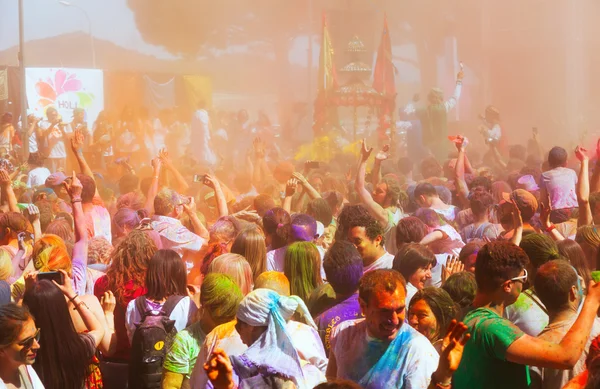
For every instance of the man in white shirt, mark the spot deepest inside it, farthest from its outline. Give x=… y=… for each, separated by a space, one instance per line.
x=366 y=234
x=55 y=132
x=379 y=350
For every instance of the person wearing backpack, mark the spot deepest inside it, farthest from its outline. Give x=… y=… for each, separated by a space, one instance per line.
x=153 y=319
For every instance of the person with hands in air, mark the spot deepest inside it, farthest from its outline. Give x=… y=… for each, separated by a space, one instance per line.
x=98 y=222
x=215 y=185
x=498 y=353
x=182 y=185
x=559 y=186
x=382 y=204
x=67 y=359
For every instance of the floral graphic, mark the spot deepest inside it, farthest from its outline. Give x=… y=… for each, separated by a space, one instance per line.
x=64 y=83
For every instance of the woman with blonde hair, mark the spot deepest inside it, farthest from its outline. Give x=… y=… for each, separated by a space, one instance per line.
x=250 y=244
x=235 y=266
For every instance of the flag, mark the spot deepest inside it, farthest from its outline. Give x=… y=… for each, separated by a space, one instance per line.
x=327 y=75
x=325 y=113
x=384 y=82
x=384 y=76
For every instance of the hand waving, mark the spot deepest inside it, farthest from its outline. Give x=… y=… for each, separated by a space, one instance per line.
x=452 y=349
x=77 y=141
x=290 y=187
x=4 y=178
x=365 y=152
x=453 y=265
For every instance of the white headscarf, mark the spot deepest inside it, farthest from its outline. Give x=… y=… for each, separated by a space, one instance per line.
x=274 y=350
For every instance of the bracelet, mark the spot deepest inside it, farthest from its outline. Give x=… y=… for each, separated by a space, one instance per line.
x=551 y=228
x=71 y=300
x=80 y=304
x=156 y=177
x=76 y=201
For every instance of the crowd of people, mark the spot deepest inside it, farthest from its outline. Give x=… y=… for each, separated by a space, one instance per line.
x=188 y=263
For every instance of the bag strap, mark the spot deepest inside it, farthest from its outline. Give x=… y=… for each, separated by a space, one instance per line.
x=140 y=306
x=170 y=304
x=529 y=293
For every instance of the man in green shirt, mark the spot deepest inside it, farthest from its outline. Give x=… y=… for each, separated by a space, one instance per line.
x=498 y=353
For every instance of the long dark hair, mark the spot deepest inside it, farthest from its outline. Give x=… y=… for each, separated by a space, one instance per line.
x=63 y=361
x=166 y=276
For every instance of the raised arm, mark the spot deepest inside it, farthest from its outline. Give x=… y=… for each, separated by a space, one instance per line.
x=197 y=225
x=583 y=188
x=95 y=328
x=462 y=189
x=153 y=189
x=531 y=351
x=80 y=248
x=182 y=185
x=379 y=158
x=7 y=191
x=77 y=141
x=290 y=191
x=214 y=183
x=375 y=209
x=306 y=186
x=453 y=100
x=546 y=225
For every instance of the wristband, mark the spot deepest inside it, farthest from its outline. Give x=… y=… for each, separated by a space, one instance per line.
x=551 y=228
x=76 y=201
x=71 y=300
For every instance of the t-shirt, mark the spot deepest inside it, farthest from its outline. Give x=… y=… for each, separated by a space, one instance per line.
x=28 y=374
x=183 y=313
x=37 y=177
x=560 y=184
x=56 y=140
x=484 y=363
x=356 y=353
x=554 y=333
x=528 y=313
x=384 y=262
x=436 y=271
x=449 y=213
x=452 y=242
x=181 y=357
x=411 y=290
x=348 y=309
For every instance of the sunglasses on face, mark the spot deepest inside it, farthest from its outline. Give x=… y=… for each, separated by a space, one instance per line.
x=28 y=343
x=522 y=278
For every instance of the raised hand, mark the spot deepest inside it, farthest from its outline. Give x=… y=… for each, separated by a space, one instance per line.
x=163 y=154
x=4 y=178
x=77 y=141
x=383 y=154
x=300 y=179
x=290 y=187
x=33 y=212
x=365 y=152
x=453 y=346
x=67 y=286
x=210 y=181
x=73 y=187
x=219 y=370
x=453 y=265
x=581 y=154
x=191 y=206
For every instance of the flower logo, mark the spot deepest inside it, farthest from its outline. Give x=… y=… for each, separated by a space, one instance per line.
x=65 y=89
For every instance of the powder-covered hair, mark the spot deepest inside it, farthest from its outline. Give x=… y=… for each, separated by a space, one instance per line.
x=237 y=268
x=220 y=296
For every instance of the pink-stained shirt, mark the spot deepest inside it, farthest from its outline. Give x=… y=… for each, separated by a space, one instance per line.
x=175 y=236
x=560 y=184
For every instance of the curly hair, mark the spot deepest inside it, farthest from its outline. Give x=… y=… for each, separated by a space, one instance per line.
x=99 y=251
x=130 y=262
x=350 y=217
x=393 y=190
x=497 y=262
x=134 y=200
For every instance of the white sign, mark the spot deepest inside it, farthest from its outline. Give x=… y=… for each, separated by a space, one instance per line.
x=65 y=89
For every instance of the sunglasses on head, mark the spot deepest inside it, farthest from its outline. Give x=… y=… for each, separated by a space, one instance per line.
x=28 y=343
